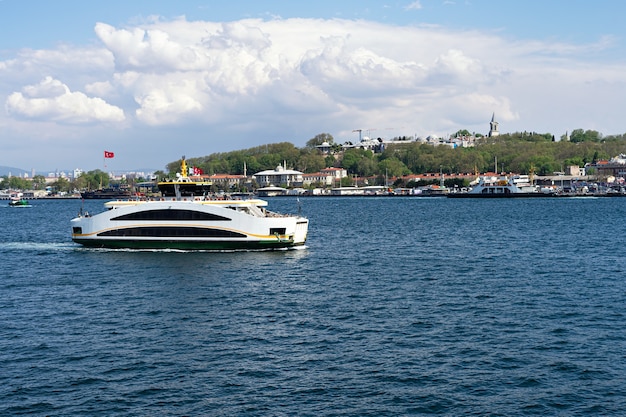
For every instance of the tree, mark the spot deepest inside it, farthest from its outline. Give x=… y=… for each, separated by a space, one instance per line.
x=39 y=182
x=455 y=182
x=19 y=183
x=79 y=183
x=576 y=160
x=580 y=135
x=160 y=175
x=96 y=179
x=311 y=162
x=351 y=158
x=62 y=185
x=393 y=167
x=319 y=139
x=366 y=167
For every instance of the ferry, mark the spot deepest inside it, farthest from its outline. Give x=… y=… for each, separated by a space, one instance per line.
x=184 y=185
x=189 y=224
x=187 y=217
x=503 y=187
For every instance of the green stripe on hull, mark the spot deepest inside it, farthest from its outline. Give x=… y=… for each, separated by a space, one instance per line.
x=187 y=245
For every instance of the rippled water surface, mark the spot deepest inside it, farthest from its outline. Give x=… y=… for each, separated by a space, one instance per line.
x=398 y=306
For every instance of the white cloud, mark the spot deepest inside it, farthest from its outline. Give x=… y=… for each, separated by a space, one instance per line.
x=454 y=67
x=238 y=35
x=47 y=89
x=53 y=100
x=100 y=88
x=167 y=103
x=73 y=62
x=149 y=50
x=259 y=81
x=359 y=72
x=416 y=5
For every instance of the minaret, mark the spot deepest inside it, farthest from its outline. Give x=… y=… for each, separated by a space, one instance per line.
x=493 y=126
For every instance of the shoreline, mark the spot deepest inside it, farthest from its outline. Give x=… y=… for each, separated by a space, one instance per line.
x=44 y=198
x=463 y=196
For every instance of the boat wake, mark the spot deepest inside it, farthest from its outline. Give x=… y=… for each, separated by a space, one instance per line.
x=38 y=246
x=129 y=250
x=71 y=246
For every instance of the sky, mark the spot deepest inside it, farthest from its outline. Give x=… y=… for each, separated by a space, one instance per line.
x=154 y=80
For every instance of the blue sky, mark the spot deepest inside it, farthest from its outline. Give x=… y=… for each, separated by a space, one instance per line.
x=152 y=80
x=43 y=23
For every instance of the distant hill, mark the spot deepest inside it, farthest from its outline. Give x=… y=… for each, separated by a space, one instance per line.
x=12 y=170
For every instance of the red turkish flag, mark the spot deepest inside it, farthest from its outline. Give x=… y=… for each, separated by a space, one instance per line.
x=108 y=154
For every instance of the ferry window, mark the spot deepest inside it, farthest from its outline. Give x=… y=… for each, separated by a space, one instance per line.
x=174 y=231
x=278 y=230
x=77 y=230
x=171 y=215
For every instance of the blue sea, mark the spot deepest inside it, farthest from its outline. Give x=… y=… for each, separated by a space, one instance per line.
x=397 y=306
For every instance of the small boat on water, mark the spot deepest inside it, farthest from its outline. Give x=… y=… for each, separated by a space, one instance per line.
x=503 y=187
x=19 y=202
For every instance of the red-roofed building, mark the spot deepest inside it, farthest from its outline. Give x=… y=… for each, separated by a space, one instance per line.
x=223 y=181
x=327 y=176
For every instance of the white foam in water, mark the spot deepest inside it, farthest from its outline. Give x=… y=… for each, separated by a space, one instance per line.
x=52 y=246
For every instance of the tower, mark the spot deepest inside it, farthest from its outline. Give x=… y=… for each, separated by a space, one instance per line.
x=493 y=126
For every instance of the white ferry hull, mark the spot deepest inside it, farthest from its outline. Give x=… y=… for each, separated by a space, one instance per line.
x=190 y=225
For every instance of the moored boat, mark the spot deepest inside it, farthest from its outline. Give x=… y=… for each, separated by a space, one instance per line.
x=106 y=194
x=183 y=185
x=189 y=224
x=502 y=187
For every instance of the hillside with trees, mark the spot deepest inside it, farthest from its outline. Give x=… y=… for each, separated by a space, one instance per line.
x=518 y=152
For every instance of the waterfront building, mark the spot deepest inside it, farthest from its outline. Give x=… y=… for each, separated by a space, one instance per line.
x=279 y=176
x=226 y=181
x=614 y=167
x=327 y=176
